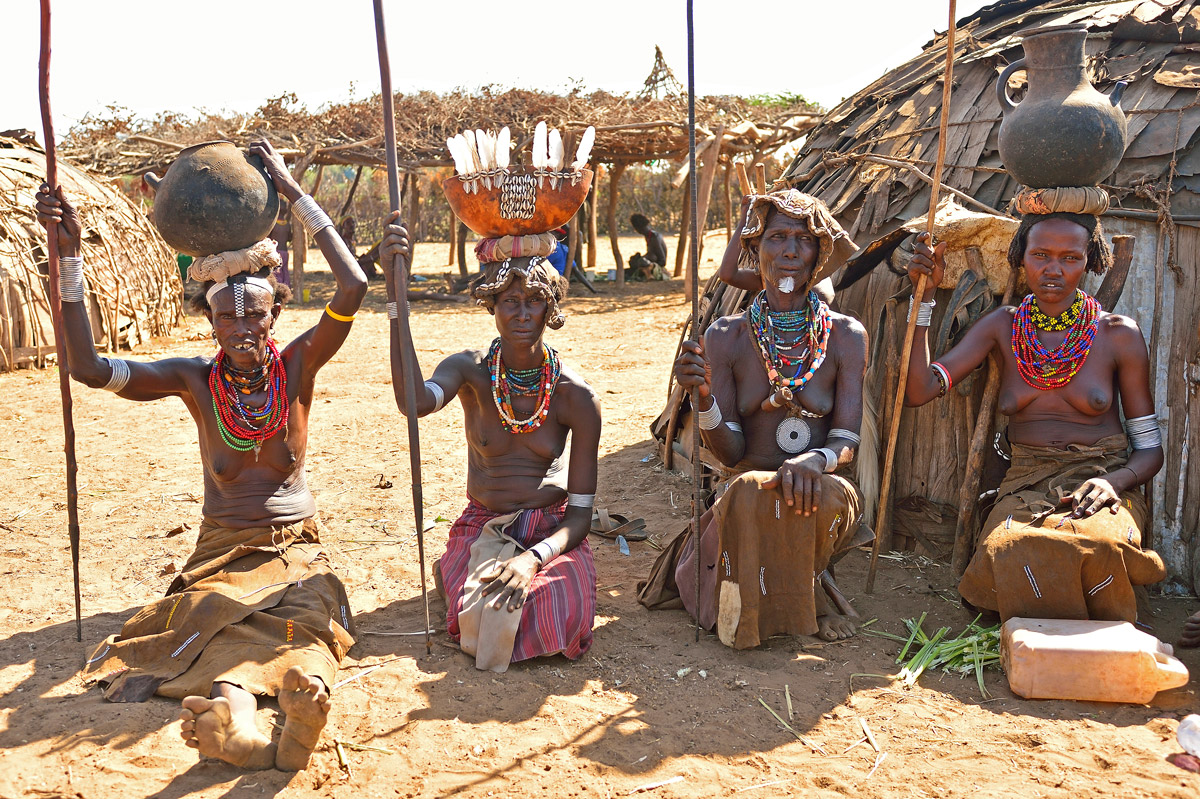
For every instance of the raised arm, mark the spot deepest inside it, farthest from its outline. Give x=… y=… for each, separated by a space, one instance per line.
x=962 y=359
x=319 y=343
x=129 y=379
x=729 y=272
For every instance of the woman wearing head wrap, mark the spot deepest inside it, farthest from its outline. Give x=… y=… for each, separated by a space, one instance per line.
x=1064 y=539
x=517 y=575
x=780 y=389
x=256 y=610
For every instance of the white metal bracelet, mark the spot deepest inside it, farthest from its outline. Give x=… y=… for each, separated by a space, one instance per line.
x=393 y=310
x=580 y=500
x=70 y=278
x=120 y=374
x=439 y=396
x=924 y=312
x=545 y=552
x=841 y=432
x=311 y=215
x=1143 y=432
x=711 y=418
x=831 y=459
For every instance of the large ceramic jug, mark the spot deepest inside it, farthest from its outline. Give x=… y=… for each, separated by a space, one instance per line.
x=214 y=198
x=1064 y=133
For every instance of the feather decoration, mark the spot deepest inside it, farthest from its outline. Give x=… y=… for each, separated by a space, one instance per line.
x=503 y=147
x=555 y=151
x=585 y=149
x=469 y=135
x=455 y=153
x=486 y=154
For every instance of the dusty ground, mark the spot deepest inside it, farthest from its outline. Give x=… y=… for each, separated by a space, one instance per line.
x=628 y=715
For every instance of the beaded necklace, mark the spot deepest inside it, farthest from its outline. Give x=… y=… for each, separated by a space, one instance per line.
x=771 y=331
x=241 y=426
x=503 y=387
x=1044 y=369
x=1063 y=321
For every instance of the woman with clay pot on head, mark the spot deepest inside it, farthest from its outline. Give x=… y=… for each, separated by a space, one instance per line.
x=257 y=609
x=1064 y=537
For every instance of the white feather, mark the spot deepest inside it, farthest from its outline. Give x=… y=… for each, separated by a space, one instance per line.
x=456 y=153
x=486 y=150
x=472 y=150
x=539 y=146
x=585 y=149
x=503 y=147
x=555 y=151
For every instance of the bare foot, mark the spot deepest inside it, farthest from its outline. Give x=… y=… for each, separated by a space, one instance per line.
x=835 y=627
x=210 y=726
x=1191 y=631
x=306 y=702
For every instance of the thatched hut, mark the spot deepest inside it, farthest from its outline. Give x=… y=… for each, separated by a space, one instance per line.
x=133 y=286
x=869 y=160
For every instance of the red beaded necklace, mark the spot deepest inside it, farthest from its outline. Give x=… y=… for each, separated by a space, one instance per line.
x=502 y=389
x=235 y=420
x=1045 y=369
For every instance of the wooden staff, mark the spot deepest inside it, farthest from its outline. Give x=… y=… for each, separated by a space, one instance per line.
x=408 y=364
x=694 y=270
x=64 y=375
x=743 y=178
x=881 y=515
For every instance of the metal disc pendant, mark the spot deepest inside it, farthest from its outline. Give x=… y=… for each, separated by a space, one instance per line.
x=793 y=435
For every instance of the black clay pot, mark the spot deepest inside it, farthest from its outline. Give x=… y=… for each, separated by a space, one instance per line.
x=1064 y=133
x=214 y=198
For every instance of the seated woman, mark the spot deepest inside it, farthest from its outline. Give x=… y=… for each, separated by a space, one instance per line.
x=517 y=575
x=743 y=273
x=1064 y=539
x=780 y=389
x=257 y=608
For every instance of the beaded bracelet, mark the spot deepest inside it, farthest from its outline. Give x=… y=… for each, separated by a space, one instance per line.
x=924 y=312
x=311 y=215
x=70 y=278
x=943 y=377
x=710 y=419
x=339 y=317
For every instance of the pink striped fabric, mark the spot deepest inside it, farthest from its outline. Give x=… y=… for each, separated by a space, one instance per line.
x=561 y=607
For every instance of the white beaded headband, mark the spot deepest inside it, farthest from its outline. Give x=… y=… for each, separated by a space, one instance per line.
x=238 y=283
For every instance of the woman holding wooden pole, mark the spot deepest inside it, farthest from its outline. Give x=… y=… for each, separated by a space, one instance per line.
x=1064 y=537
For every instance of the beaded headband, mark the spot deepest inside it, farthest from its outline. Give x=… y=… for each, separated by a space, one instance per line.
x=238 y=283
x=537 y=275
x=835 y=244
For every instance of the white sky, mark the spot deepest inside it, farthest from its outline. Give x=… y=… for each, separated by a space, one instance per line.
x=155 y=55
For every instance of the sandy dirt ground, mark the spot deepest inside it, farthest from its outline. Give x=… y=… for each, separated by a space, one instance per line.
x=647 y=705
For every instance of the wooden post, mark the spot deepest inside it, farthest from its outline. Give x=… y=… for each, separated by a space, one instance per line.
x=414 y=206
x=728 y=206
x=572 y=242
x=592 y=225
x=614 y=179
x=681 y=250
x=299 y=235
x=462 y=249
x=350 y=194
x=317 y=181
x=452 y=229
x=708 y=174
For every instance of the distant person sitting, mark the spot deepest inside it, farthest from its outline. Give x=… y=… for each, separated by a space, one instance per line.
x=651 y=265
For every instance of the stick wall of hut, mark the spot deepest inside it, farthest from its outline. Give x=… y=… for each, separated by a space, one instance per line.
x=614 y=179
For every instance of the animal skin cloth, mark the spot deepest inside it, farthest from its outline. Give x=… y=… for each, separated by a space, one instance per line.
x=759 y=560
x=561 y=605
x=1034 y=561
x=249 y=605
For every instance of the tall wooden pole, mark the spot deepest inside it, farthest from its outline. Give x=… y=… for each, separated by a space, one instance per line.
x=694 y=288
x=881 y=516
x=60 y=345
x=408 y=363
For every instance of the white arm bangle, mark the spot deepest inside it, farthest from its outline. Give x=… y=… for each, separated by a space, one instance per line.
x=711 y=418
x=70 y=278
x=439 y=396
x=734 y=426
x=831 y=459
x=310 y=214
x=545 y=552
x=924 y=312
x=120 y=374
x=581 y=500
x=1143 y=432
x=841 y=432
x=393 y=311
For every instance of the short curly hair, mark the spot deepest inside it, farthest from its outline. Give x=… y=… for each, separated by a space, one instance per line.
x=283 y=292
x=1099 y=254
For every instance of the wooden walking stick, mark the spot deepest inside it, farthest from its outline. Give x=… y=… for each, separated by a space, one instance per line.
x=694 y=267
x=408 y=364
x=60 y=346
x=881 y=515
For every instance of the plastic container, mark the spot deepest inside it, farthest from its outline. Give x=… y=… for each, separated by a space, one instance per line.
x=1097 y=661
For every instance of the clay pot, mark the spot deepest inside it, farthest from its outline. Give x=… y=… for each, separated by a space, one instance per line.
x=1064 y=133
x=520 y=207
x=214 y=198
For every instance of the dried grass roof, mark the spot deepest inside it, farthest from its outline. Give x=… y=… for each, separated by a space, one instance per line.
x=629 y=127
